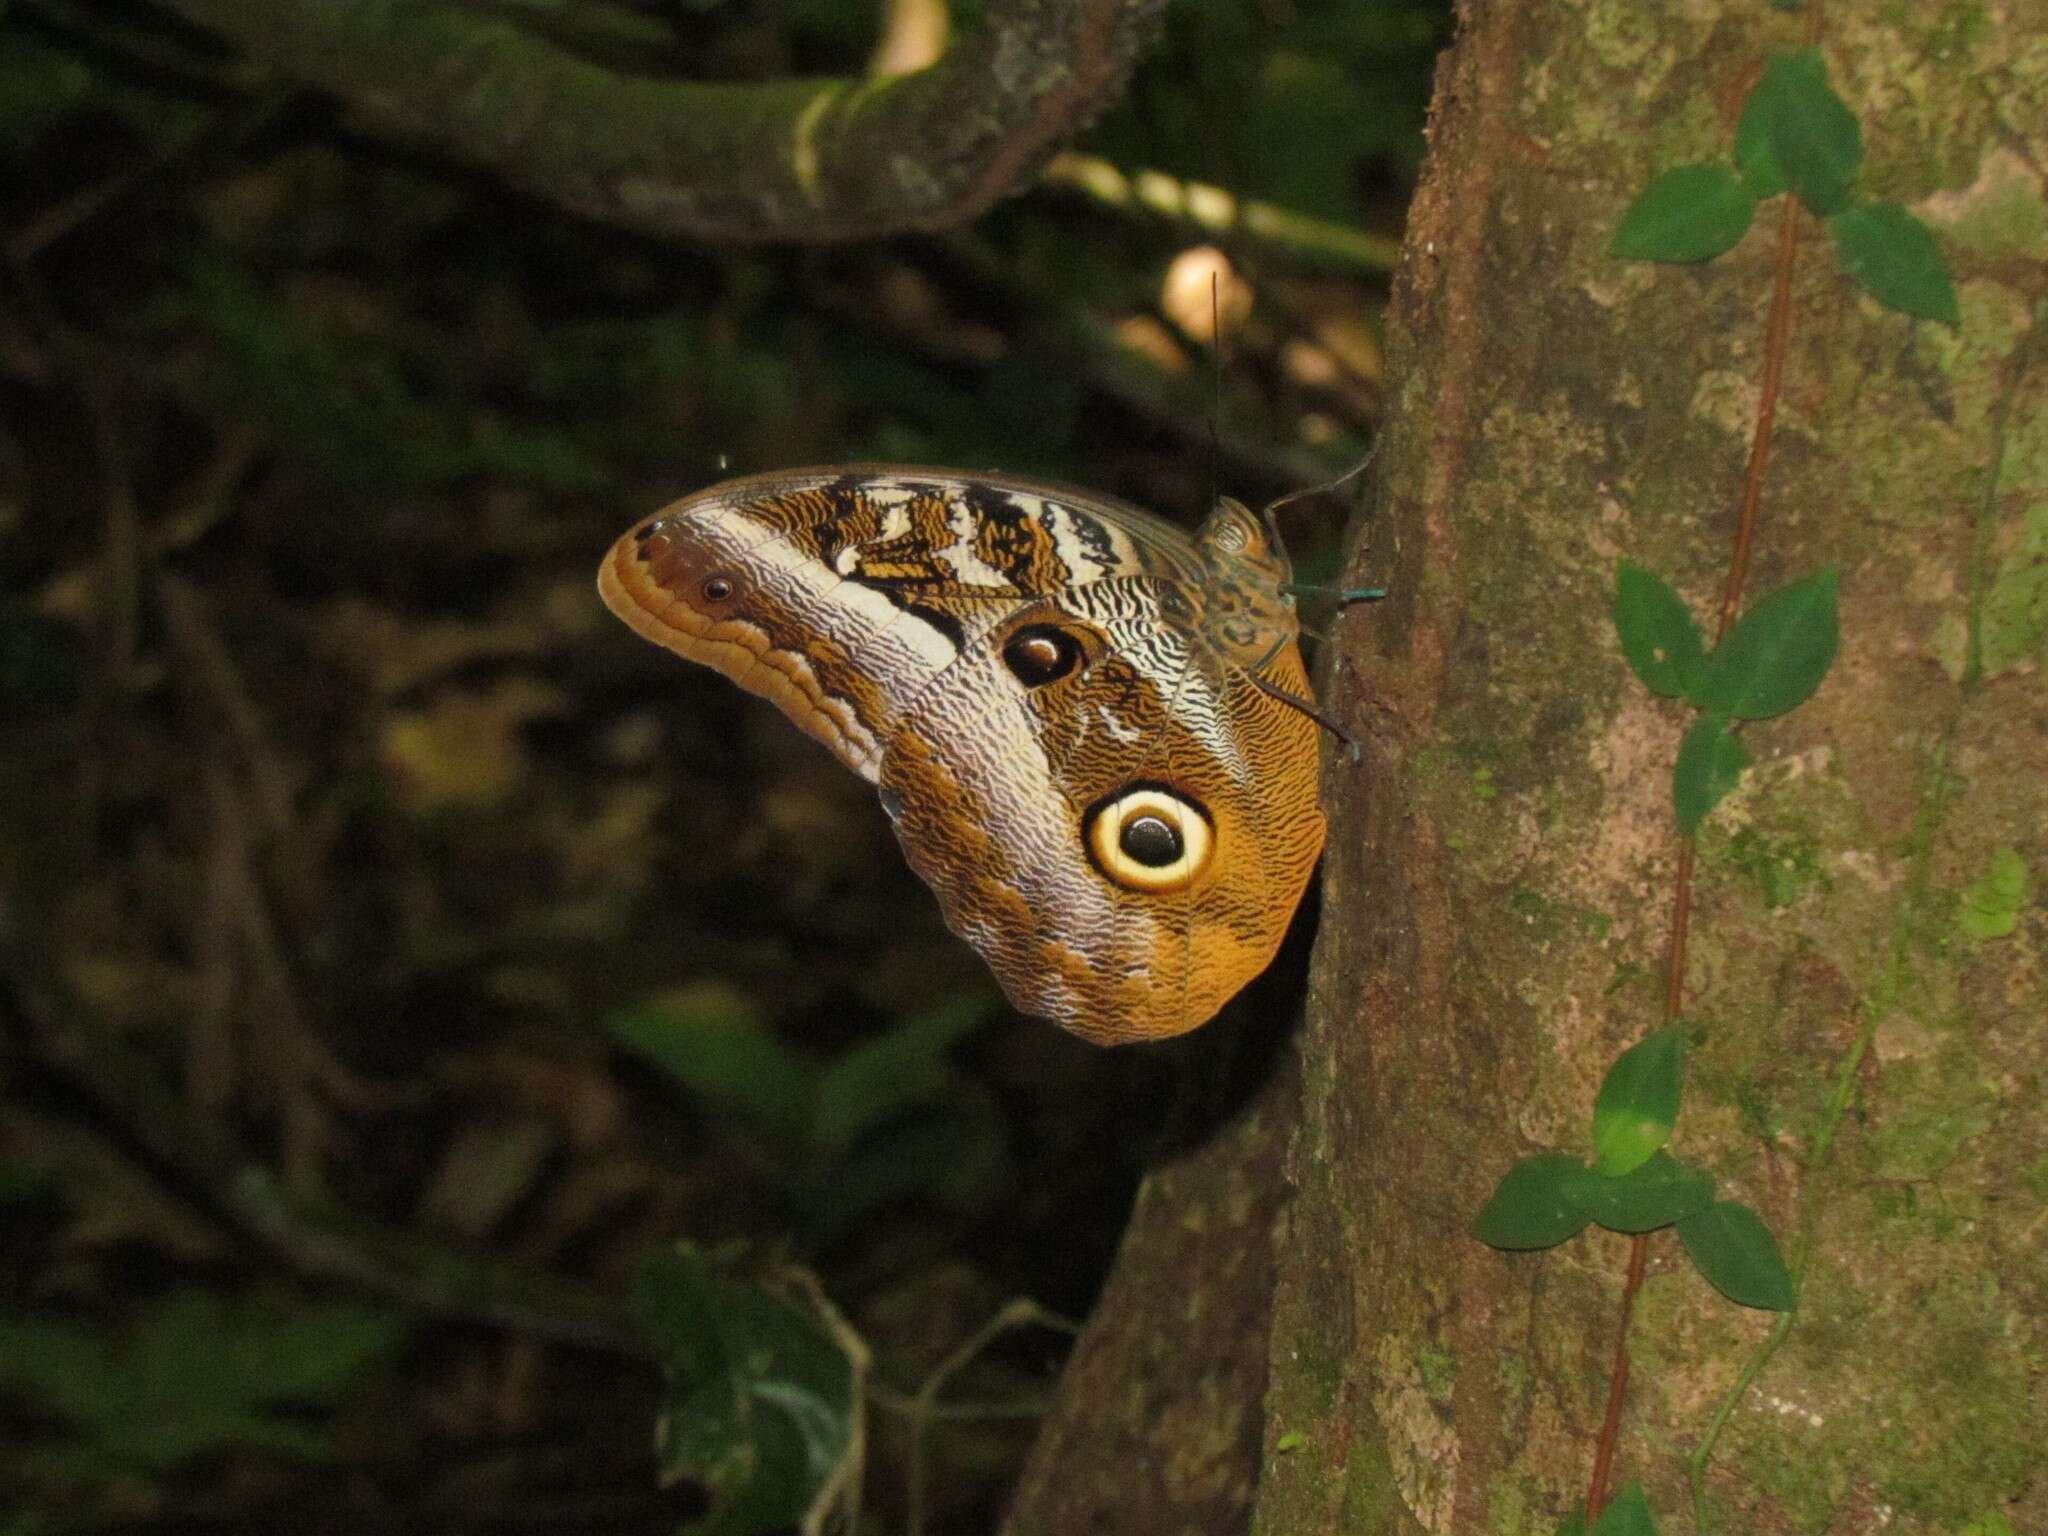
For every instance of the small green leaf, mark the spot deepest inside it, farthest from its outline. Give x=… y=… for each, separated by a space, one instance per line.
x=1638 y=1102
x=709 y=1039
x=1658 y=634
x=1529 y=1208
x=1760 y=173
x=1991 y=1523
x=1710 y=762
x=760 y=1404
x=1991 y=906
x=949 y=1152
x=1776 y=655
x=1813 y=136
x=196 y=1373
x=1655 y=1194
x=1731 y=1246
x=1894 y=257
x=68 y=1371
x=310 y=1355
x=892 y=1071
x=1292 y=1440
x=1628 y=1515
x=1690 y=213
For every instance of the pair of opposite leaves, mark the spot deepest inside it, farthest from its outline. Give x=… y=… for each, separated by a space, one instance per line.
x=1077 y=716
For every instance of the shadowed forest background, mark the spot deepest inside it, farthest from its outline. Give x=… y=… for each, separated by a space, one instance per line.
x=397 y=953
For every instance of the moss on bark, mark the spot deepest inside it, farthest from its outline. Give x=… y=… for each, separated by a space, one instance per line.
x=1517 y=820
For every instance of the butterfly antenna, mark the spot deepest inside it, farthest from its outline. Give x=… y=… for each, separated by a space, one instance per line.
x=1327 y=486
x=1345 y=596
x=1215 y=386
x=1296 y=701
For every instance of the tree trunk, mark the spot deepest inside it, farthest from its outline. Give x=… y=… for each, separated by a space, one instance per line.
x=1865 y=1067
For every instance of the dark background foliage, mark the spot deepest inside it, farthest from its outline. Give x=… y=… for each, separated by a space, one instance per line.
x=396 y=950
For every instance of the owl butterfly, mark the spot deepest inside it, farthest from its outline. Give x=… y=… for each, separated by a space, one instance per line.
x=1084 y=724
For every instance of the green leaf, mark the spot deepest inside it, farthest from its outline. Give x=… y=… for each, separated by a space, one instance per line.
x=709 y=1038
x=1658 y=633
x=1894 y=257
x=1655 y=1194
x=954 y=1154
x=1638 y=1102
x=1574 y=1524
x=1991 y=906
x=1991 y=1523
x=65 y=1370
x=1761 y=176
x=1776 y=655
x=1690 y=213
x=1529 y=1207
x=1731 y=1246
x=198 y=1372
x=1710 y=762
x=1627 y=1515
x=1813 y=136
x=1291 y=1440
x=312 y=1355
x=760 y=1403
x=882 y=1076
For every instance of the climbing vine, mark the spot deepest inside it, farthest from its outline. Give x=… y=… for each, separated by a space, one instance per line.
x=1796 y=142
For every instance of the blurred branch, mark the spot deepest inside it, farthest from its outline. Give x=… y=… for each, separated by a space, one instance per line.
x=1216 y=211
x=923 y=1407
x=791 y=160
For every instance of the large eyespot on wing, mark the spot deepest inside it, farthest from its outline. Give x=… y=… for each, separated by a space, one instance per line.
x=1149 y=837
x=1000 y=792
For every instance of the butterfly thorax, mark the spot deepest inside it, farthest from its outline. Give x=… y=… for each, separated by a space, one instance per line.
x=1242 y=610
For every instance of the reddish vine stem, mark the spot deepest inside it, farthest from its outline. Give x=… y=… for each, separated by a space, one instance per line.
x=1778 y=329
x=1617 y=1383
x=1681 y=922
x=1776 y=334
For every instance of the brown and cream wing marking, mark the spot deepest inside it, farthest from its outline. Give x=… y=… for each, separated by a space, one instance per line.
x=1054 y=694
x=1125 y=843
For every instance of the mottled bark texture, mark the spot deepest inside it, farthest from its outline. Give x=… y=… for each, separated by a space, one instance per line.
x=1500 y=868
x=785 y=160
x=1159 y=1427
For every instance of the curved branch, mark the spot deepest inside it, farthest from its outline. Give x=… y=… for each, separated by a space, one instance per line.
x=795 y=160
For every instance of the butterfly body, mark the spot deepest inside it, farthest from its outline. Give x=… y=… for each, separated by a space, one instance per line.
x=1053 y=692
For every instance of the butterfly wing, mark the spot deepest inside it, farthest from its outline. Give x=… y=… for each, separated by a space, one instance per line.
x=839 y=594
x=1064 y=729
x=1124 y=843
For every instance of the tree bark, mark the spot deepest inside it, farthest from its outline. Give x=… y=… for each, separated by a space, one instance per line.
x=1158 y=1432
x=1864 y=1071
x=784 y=160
